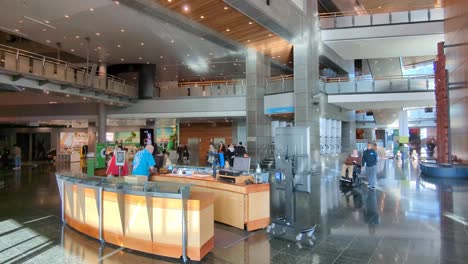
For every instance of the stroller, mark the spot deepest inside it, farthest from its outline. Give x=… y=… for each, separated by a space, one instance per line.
x=355 y=181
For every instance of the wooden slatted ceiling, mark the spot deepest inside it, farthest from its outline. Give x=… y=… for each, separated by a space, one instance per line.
x=220 y=17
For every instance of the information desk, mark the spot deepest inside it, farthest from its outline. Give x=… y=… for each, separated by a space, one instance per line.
x=236 y=204
x=145 y=217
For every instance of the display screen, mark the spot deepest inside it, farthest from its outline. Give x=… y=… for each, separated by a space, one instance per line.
x=146 y=136
x=241 y=164
x=119 y=158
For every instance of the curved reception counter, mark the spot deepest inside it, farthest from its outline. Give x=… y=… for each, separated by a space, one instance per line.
x=245 y=206
x=167 y=219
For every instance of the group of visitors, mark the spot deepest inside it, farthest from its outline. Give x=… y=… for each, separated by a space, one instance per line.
x=143 y=163
x=229 y=153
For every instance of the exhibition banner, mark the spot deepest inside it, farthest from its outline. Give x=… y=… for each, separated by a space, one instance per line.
x=100 y=155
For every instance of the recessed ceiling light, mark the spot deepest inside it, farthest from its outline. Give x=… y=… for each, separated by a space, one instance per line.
x=250 y=23
x=161 y=57
x=172 y=41
x=270 y=35
x=248 y=40
x=186 y=8
x=225 y=8
x=202 y=17
x=98 y=48
x=46 y=92
x=122 y=30
x=77 y=37
x=169 y=1
x=72 y=50
x=279 y=56
x=84 y=98
x=122 y=59
x=140 y=58
x=66 y=16
x=52 y=102
x=48 y=41
x=67 y=95
x=142 y=44
x=227 y=29
x=16 y=30
x=91 y=9
x=47 y=21
x=98 y=34
x=118 y=46
x=116 y=2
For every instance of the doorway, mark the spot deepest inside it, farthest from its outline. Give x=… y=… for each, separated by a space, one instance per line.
x=193 y=145
x=22 y=140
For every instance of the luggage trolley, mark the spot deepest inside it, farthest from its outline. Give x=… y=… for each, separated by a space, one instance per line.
x=292 y=175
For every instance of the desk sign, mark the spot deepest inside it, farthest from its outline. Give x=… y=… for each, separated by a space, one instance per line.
x=120 y=158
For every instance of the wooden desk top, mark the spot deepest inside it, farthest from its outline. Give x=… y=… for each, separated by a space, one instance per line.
x=209 y=181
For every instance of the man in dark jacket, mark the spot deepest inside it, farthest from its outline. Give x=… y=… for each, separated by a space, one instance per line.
x=369 y=160
x=240 y=150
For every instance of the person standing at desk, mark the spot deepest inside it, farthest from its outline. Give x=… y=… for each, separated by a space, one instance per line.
x=143 y=163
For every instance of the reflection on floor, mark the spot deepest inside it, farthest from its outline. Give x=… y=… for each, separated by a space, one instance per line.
x=406 y=220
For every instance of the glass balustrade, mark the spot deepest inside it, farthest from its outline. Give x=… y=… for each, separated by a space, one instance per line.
x=381 y=85
x=202 y=89
x=355 y=19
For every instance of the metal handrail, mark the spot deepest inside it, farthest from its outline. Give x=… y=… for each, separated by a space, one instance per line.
x=371 y=78
x=209 y=83
x=55 y=61
x=375 y=11
x=282 y=77
x=358 y=78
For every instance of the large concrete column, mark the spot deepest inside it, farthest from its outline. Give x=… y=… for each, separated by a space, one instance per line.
x=403 y=124
x=146 y=75
x=102 y=118
x=258 y=131
x=308 y=100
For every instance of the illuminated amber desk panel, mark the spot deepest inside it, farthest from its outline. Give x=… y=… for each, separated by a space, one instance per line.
x=141 y=222
x=238 y=205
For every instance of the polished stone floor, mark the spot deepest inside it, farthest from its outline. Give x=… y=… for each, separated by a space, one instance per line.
x=406 y=220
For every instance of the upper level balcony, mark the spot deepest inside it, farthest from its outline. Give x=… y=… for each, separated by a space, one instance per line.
x=24 y=69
